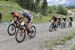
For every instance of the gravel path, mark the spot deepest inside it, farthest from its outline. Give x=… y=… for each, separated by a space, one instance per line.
x=9 y=43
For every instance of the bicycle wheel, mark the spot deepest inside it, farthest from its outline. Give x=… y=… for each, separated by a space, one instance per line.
x=11 y=29
x=51 y=28
x=33 y=32
x=20 y=36
x=62 y=25
x=70 y=24
x=55 y=27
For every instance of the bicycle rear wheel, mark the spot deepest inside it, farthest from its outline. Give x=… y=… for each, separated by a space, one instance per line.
x=70 y=24
x=51 y=28
x=33 y=32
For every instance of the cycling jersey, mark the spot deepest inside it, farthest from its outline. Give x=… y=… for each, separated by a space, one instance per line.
x=28 y=16
x=64 y=19
x=54 y=19
x=71 y=18
x=59 y=19
x=19 y=19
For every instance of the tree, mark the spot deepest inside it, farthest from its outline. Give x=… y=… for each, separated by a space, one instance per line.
x=50 y=9
x=27 y=4
x=44 y=7
x=62 y=10
x=37 y=8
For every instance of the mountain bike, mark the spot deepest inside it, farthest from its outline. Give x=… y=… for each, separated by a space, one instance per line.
x=53 y=27
x=23 y=30
x=12 y=28
x=70 y=23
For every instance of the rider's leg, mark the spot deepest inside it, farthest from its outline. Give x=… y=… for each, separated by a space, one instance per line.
x=22 y=29
x=29 y=26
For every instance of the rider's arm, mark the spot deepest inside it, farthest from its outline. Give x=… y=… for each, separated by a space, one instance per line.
x=24 y=19
x=31 y=19
x=14 y=19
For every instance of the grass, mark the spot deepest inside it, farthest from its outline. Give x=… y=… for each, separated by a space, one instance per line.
x=6 y=7
x=50 y=44
x=74 y=18
x=73 y=48
x=44 y=19
x=68 y=37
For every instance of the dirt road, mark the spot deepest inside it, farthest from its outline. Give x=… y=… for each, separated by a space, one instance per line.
x=9 y=43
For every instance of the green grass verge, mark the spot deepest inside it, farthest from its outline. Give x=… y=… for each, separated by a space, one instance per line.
x=74 y=18
x=73 y=48
x=50 y=44
x=44 y=19
x=6 y=7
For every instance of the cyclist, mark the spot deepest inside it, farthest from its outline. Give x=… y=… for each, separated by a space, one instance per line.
x=26 y=14
x=71 y=18
x=64 y=22
x=54 y=19
x=59 y=20
x=16 y=17
x=64 y=18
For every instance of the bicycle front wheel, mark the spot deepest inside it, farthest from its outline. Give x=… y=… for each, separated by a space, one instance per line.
x=20 y=36
x=11 y=29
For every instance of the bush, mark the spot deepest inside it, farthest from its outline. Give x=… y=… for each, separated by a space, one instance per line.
x=61 y=10
x=57 y=10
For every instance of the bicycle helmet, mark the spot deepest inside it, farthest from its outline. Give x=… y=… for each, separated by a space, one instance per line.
x=16 y=14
